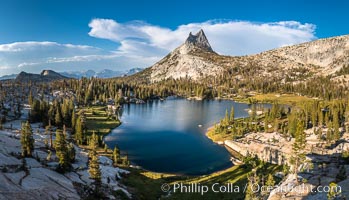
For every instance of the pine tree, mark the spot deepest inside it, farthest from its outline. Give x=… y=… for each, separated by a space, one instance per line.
x=226 y=119
x=50 y=132
x=30 y=98
x=298 y=146
x=51 y=114
x=94 y=141
x=321 y=118
x=314 y=113
x=71 y=152
x=79 y=135
x=334 y=191
x=276 y=125
x=62 y=152
x=232 y=115
x=35 y=114
x=250 y=193
x=125 y=160
x=58 y=117
x=73 y=121
x=270 y=180
x=253 y=114
x=330 y=132
x=292 y=124
x=266 y=123
x=27 y=140
x=275 y=111
x=66 y=113
x=94 y=170
x=116 y=155
x=336 y=133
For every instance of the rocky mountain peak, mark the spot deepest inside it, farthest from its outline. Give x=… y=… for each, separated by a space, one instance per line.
x=192 y=59
x=196 y=60
x=44 y=76
x=198 y=40
x=47 y=72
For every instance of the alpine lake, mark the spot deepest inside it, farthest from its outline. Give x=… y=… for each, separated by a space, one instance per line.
x=169 y=136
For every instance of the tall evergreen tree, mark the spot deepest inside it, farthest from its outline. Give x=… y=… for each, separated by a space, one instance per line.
x=73 y=121
x=250 y=193
x=253 y=114
x=232 y=115
x=27 y=140
x=336 y=122
x=298 y=146
x=94 y=170
x=58 y=117
x=30 y=98
x=226 y=119
x=71 y=152
x=125 y=160
x=270 y=180
x=94 y=141
x=116 y=155
x=79 y=131
x=292 y=124
x=62 y=152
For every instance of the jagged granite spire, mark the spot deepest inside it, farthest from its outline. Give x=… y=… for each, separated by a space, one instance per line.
x=199 y=40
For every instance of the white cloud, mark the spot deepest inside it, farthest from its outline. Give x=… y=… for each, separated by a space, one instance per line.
x=140 y=44
x=34 y=56
x=23 y=54
x=24 y=64
x=4 y=67
x=33 y=45
x=226 y=37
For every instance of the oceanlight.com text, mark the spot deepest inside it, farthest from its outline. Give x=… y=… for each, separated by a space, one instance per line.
x=255 y=188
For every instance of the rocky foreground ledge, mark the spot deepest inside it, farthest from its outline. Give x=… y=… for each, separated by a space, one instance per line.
x=36 y=178
x=321 y=167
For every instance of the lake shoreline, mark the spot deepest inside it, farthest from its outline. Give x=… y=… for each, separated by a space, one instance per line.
x=282 y=98
x=211 y=111
x=140 y=169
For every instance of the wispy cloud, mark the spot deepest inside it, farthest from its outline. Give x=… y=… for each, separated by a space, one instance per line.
x=34 y=56
x=226 y=37
x=4 y=67
x=34 y=45
x=140 y=44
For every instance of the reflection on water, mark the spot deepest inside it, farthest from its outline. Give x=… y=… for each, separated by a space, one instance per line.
x=165 y=136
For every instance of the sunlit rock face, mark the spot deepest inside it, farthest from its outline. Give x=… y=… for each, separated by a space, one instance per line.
x=195 y=59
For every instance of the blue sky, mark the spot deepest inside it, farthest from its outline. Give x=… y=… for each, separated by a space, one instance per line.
x=80 y=35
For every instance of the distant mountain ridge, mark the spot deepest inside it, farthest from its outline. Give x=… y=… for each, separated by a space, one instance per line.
x=8 y=77
x=106 y=73
x=44 y=76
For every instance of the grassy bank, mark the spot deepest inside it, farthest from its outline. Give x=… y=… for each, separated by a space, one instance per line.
x=211 y=134
x=147 y=185
x=218 y=137
x=97 y=120
x=287 y=99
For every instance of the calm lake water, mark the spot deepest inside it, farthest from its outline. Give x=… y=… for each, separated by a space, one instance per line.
x=164 y=136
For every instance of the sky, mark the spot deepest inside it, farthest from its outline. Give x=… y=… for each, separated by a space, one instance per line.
x=65 y=35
